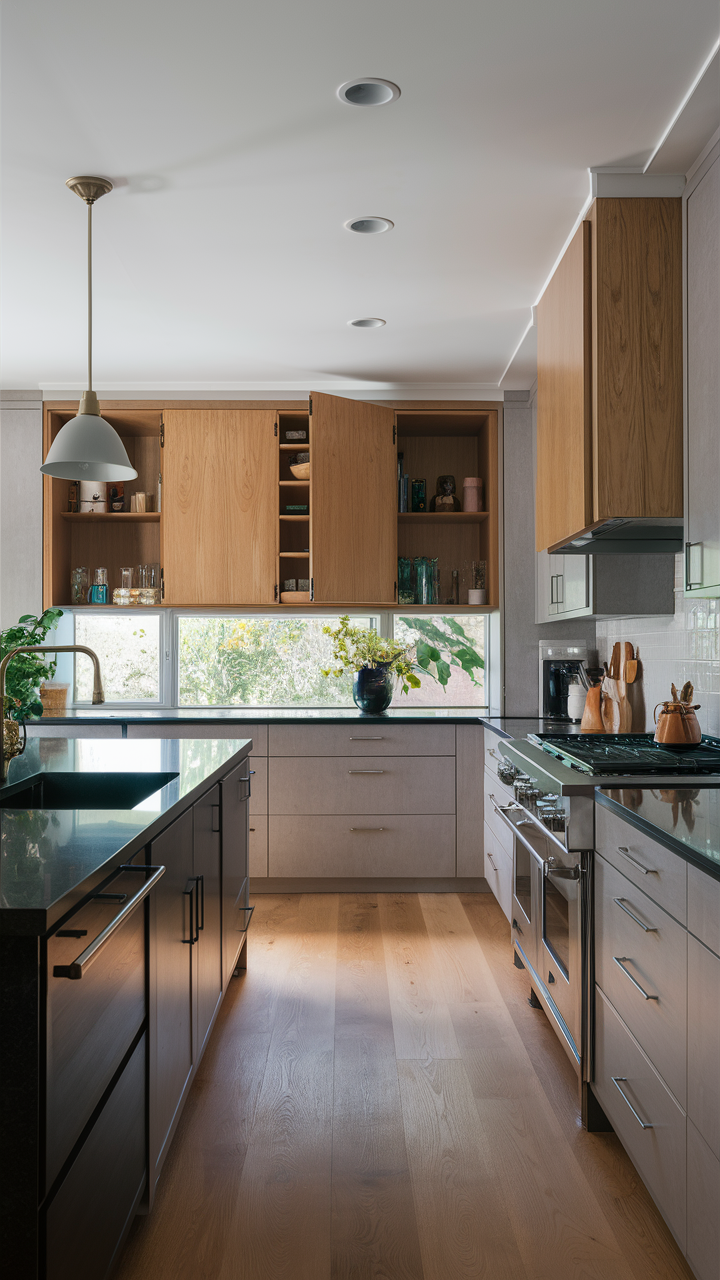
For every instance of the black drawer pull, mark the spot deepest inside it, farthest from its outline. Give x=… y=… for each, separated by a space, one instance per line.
x=248 y=912
x=71 y=933
x=109 y=897
x=83 y=962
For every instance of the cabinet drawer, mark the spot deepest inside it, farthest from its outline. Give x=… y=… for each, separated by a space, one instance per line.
x=502 y=833
x=90 y=1023
x=258 y=846
x=658 y=1153
x=383 y=784
x=704 y=907
x=89 y=1216
x=358 y=845
x=659 y=872
x=219 y=729
x=362 y=739
x=656 y=957
x=703 y=1198
x=498 y=871
x=703 y=1102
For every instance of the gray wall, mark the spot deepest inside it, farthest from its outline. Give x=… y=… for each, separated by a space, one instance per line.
x=522 y=635
x=20 y=505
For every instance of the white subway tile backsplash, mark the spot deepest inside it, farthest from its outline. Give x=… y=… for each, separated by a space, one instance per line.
x=671 y=650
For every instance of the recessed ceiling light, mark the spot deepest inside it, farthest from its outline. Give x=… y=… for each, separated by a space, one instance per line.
x=368 y=322
x=368 y=92
x=369 y=226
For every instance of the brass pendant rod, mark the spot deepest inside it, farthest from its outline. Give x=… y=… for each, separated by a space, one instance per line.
x=89 y=209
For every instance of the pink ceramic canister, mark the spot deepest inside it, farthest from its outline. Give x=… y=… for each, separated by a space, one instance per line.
x=472 y=493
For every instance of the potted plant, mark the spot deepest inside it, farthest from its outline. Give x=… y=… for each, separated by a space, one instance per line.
x=28 y=670
x=378 y=662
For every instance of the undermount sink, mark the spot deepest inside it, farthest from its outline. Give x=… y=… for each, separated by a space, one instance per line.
x=86 y=790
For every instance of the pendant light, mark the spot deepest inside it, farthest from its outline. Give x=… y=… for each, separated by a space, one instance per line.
x=88 y=447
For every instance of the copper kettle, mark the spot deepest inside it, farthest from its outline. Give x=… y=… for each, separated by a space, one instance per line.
x=677 y=725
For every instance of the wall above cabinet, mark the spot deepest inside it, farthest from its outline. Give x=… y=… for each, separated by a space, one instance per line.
x=609 y=470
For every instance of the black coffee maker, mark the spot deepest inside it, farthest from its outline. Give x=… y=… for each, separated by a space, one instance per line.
x=560 y=667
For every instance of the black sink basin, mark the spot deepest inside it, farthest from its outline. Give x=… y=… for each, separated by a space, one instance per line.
x=86 y=790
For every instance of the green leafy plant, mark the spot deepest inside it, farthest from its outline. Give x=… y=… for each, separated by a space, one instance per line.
x=27 y=671
x=451 y=640
x=356 y=647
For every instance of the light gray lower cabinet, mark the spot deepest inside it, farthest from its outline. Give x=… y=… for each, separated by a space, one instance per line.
x=702 y=385
x=603 y=586
x=657 y=1060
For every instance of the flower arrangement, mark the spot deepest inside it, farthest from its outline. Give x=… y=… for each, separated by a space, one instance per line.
x=355 y=648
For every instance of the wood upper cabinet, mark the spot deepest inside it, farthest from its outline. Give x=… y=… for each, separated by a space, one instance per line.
x=219 y=520
x=353 y=500
x=610 y=373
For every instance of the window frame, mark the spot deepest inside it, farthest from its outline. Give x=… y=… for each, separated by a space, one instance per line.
x=164 y=702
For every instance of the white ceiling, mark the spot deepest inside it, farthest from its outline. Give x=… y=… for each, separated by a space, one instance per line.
x=221 y=260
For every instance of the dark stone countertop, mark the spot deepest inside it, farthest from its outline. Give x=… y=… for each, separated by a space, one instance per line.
x=505 y=726
x=521 y=726
x=51 y=858
x=684 y=819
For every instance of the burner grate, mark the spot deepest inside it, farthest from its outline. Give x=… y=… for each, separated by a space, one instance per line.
x=630 y=753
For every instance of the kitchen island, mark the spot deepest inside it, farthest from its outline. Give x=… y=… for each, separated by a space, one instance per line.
x=123 y=914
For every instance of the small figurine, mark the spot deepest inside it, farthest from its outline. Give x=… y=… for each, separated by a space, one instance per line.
x=444 y=499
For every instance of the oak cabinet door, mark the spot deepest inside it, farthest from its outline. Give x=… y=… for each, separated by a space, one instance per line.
x=353 y=501
x=219 y=507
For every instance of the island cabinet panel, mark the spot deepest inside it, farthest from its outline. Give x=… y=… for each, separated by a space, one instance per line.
x=90 y=1214
x=235 y=794
x=171 y=983
x=219 y=524
x=207 y=950
x=703 y=1198
x=353 y=486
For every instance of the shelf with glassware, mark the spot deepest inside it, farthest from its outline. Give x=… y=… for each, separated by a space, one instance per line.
x=294 y=487
x=103 y=539
x=448 y=544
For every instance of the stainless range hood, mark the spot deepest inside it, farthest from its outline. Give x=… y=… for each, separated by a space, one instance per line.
x=623 y=535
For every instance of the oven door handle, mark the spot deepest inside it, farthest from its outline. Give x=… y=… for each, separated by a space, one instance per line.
x=519 y=836
x=562 y=873
x=79 y=966
x=529 y=821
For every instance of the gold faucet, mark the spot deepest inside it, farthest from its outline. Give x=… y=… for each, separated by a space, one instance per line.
x=98 y=693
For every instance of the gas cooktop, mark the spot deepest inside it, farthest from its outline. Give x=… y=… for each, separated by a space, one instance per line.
x=629 y=753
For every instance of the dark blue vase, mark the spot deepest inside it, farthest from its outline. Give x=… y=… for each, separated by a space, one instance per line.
x=373 y=689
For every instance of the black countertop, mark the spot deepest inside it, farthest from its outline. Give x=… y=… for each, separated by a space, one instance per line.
x=505 y=726
x=684 y=819
x=51 y=858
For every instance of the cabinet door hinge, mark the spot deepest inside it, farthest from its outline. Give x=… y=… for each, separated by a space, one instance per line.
x=276 y=428
x=162 y=433
x=162 y=584
x=312 y=588
x=310 y=406
x=277 y=591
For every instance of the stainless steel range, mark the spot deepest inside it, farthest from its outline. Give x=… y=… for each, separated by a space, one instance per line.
x=552 y=818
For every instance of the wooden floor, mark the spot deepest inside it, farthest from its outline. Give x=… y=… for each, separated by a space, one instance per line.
x=379 y=1100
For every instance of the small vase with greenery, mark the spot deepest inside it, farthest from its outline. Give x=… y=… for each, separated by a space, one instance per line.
x=378 y=663
x=27 y=671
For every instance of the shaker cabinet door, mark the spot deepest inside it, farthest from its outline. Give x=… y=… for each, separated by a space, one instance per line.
x=208 y=949
x=219 y=516
x=702 y=512
x=354 y=501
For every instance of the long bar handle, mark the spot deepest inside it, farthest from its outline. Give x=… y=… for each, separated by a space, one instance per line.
x=625 y=853
x=188 y=892
x=371 y=739
x=366 y=828
x=85 y=959
x=507 y=808
x=366 y=770
x=619 y=962
x=689 y=584
x=617 y=1080
x=489 y=857
x=649 y=928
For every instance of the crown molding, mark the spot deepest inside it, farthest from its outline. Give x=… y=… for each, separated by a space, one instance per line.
x=282 y=389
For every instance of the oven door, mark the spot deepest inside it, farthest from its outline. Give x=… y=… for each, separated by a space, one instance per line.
x=560 y=959
x=528 y=864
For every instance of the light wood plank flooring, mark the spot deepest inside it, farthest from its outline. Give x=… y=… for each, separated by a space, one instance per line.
x=379 y=1102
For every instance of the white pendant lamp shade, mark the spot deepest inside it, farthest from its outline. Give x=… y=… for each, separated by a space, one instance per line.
x=88 y=447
